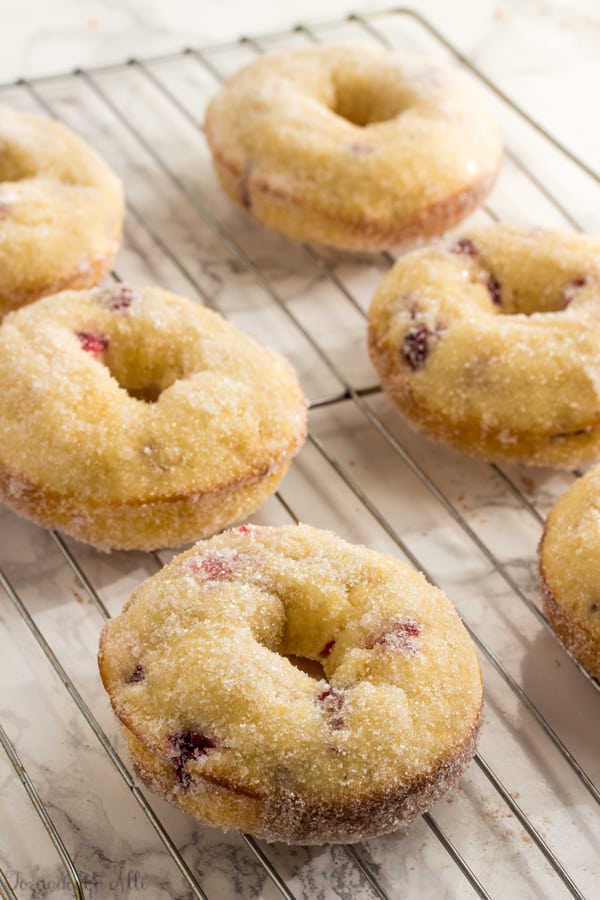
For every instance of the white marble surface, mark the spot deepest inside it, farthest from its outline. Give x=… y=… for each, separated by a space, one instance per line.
x=546 y=54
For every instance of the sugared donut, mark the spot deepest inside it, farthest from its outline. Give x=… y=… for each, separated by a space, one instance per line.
x=284 y=682
x=133 y=418
x=353 y=147
x=61 y=210
x=570 y=569
x=491 y=342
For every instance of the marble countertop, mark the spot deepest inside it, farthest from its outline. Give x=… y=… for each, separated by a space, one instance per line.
x=543 y=52
x=471 y=527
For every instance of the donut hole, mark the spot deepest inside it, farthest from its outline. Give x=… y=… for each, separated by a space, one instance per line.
x=310 y=667
x=15 y=168
x=141 y=375
x=364 y=99
x=537 y=296
x=522 y=276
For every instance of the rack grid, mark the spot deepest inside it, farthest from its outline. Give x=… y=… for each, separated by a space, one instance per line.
x=523 y=822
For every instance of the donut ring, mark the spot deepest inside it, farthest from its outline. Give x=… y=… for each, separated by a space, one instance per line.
x=491 y=343
x=284 y=682
x=137 y=419
x=570 y=570
x=352 y=147
x=61 y=210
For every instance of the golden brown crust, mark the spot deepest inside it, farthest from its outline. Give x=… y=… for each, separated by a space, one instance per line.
x=143 y=523
x=76 y=280
x=362 y=233
x=580 y=642
x=560 y=452
x=289 y=818
x=569 y=556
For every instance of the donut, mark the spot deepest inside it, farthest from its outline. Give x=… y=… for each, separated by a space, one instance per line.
x=569 y=556
x=351 y=146
x=61 y=210
x=281 y=681
x=490 y=342
x=132 y=418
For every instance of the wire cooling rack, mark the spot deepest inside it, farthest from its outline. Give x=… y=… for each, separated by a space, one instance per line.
x=523 y=821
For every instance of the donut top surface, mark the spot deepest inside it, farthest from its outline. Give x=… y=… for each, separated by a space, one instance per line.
x=354 y=129
x=120 y=393
x=498 y=325
x=61 y=207
x=208 y=665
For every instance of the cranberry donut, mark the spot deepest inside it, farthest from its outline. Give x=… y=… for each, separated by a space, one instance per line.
x=352 y=146
x=61 y=210
x=570 y=569
x=491 y=343
x=133 y=418
x=286 y=683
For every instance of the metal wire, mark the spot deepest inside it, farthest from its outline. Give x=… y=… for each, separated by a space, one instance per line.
x=86 y=712
x=346 y=393
x=6 y=891
x=43 y=814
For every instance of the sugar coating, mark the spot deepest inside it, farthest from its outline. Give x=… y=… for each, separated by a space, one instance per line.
x=61 y=210
x=491 y=342
x=569 y=555
x=358 y=748
x=352 y=146
x=135 y=418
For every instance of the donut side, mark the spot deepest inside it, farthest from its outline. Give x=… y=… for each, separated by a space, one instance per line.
x=294 y=819
x=148 y=524
x=488 y=341
x=61 y=210
x=88 y=272
x=569 y=558
x=578 y=640
x=290 y=213
x=560 y=450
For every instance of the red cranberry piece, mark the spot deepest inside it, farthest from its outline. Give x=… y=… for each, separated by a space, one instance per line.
x=331 y=702
x=569 y=292
x=463 y=247
x=402 y=635
x=188 y=745
x=119 y=298
x=358 y=149
x=215 y=565
x=495 y=289
x=415 y=347
x=327 y=649
x=594 y=607
x=136 y=675
x=249 y=528
x=191 y=744
x=95 y=344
